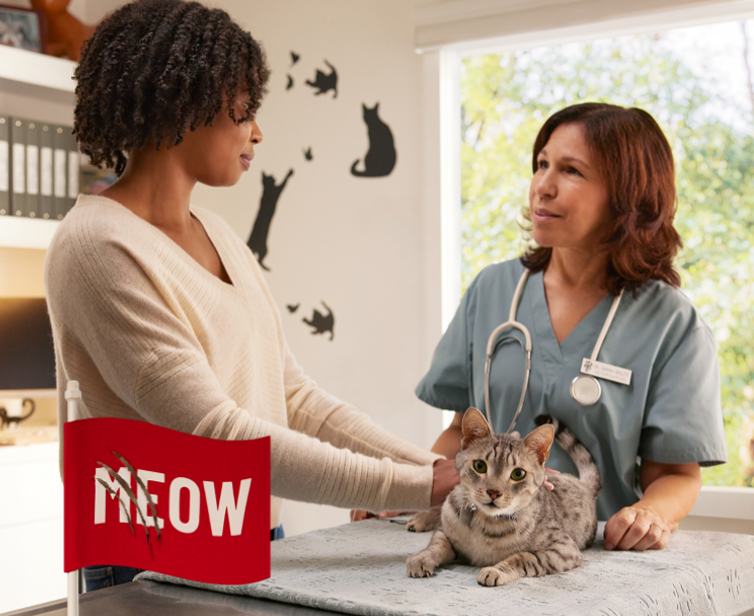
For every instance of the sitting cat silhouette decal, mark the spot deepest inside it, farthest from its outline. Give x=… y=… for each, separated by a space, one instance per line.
x=380 y=159
x=270 y=195
x=323 y=83
x=322 y=323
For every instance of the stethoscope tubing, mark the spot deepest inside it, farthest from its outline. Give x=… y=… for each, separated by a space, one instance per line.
x=512 y=322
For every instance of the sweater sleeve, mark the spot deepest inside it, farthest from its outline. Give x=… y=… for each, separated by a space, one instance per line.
x=104 y=304
x=313 y=411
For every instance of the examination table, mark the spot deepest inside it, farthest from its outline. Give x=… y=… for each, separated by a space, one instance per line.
x=360 y=569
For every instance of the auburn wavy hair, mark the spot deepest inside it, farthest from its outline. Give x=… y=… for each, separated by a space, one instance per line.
x=635 y=161
x=156 y=68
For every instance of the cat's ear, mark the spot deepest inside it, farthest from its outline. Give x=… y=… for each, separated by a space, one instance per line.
x=474 y=427
x=540 y=440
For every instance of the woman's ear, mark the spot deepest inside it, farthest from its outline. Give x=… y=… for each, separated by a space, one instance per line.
x=540 y=440
x=474 y=427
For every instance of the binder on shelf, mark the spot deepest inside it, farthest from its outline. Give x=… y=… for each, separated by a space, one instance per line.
x=18 y=166
x=4 y=165
x=59 y=171
x=32 y=168
x=73 y=168
x=46 y=207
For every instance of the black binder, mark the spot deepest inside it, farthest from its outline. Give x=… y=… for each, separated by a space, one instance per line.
x=74 y=168
x=18 y=166
x=4 y=165
x=32 y=168
x=46 y=207
x=59 y=171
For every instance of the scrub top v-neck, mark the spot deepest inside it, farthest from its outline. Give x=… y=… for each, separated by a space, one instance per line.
x=671 y=411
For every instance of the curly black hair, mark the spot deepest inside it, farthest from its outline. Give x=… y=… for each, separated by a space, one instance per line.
x=155 y=68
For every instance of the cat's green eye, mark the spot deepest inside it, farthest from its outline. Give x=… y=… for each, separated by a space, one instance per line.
x=518 y=474
x=480 y=466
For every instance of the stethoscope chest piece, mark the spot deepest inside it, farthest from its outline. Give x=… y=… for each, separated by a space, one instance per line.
x=585 y=390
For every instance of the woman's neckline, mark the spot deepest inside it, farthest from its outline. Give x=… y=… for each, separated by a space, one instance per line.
x=175 y=245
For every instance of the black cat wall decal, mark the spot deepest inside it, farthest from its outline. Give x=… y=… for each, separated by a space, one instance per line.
x=294 y=57
x=308 y=154
x=380 y=159
x=289 y=85
x=292 y=308
x=325 y=82
x=321 y=323
x=270 y=195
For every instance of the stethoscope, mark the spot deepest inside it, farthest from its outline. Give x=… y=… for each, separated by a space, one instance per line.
x=585 y=389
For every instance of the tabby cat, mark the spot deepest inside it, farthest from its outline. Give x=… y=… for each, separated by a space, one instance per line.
x=501 y=517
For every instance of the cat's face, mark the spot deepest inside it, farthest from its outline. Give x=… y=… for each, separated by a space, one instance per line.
x=501 y=473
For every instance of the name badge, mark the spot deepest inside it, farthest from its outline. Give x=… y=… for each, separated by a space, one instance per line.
x=606 y=371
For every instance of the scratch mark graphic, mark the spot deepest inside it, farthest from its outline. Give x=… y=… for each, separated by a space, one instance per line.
x=127 y=488
x=146 y=493
x=114 y=494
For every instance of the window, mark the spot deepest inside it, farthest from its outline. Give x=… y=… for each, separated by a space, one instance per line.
x=697 y=83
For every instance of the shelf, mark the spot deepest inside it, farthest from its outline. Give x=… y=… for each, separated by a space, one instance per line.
x=18 y=232
x=36 y=74
x=28 y=393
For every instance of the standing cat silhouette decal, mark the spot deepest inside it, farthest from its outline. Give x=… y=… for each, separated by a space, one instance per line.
x=323 y=83
x=380 y=159
x=270 y=195
x=321 y=323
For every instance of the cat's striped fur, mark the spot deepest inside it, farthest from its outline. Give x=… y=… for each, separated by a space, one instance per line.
x=509 y=525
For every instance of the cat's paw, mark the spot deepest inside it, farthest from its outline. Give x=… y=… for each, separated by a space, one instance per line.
x=490 y=576
x=424 y=521
x=420 y=566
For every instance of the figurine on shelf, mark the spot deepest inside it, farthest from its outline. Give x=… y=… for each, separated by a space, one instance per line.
x=64 y=33
x=12 y=421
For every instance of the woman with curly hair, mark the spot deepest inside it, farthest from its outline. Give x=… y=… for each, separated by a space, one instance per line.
x=159 y=310
x=601 y=208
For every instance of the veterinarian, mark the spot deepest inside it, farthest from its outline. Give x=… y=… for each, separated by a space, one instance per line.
x=646 y=402
x=159 y=310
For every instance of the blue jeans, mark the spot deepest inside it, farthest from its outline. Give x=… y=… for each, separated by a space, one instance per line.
x=104 y=576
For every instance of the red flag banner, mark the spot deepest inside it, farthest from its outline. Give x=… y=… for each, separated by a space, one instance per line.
x=143 y=496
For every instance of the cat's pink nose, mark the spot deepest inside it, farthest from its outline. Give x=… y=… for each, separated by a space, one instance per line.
x=493 y=494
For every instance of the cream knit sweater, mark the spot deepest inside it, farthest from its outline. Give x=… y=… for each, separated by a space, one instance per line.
x=151 y=335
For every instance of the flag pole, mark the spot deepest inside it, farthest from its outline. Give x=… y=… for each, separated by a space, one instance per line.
x=73 y=395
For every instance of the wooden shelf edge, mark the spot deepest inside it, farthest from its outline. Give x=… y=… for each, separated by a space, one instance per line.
x=28 y=393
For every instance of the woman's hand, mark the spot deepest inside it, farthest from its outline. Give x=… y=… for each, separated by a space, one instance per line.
x=636 y=528
x=670 y=491
x=445 y=478
x=357 y=515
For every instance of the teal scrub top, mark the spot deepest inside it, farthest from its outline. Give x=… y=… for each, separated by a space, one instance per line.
x=670 y=413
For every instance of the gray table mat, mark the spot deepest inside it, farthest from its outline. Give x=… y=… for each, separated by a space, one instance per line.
x=360 y=569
